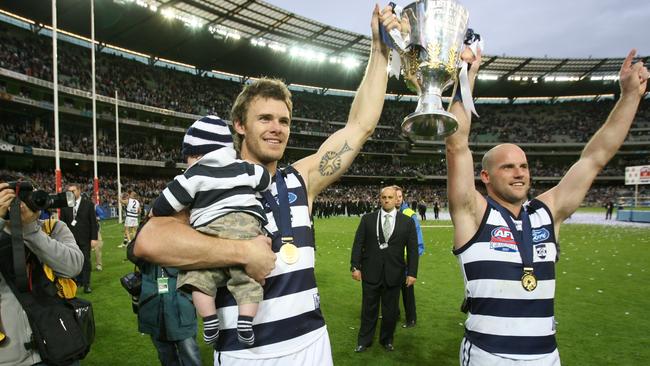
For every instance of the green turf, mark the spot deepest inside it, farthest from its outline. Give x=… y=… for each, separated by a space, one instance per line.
x=601 y=308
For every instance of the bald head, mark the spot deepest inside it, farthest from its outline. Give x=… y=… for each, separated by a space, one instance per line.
x=498 y=153
x=387 y=198
x=505 y=174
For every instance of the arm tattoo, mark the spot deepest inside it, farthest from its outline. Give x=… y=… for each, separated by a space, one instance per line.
x=331 y=161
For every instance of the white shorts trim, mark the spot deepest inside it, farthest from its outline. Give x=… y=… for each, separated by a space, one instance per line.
x=318 y=353
x=471 y=355
x=131 y=222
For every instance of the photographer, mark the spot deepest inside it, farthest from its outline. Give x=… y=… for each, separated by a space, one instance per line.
x=164 y=313
x=59 y=251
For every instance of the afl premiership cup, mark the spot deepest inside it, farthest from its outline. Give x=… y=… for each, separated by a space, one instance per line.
x=433 y=34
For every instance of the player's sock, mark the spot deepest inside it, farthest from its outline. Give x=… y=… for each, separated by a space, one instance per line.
x=211 y=329
x=245 y=330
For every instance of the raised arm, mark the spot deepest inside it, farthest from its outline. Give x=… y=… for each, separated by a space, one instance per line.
x=337 y=152
x=466 y=205
x=566 y=197
x=171 y=241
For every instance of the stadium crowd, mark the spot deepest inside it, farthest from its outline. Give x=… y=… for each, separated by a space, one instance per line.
x=339 y=199
x=165 y=87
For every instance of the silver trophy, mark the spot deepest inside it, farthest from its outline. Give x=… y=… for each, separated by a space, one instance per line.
x=433 y=32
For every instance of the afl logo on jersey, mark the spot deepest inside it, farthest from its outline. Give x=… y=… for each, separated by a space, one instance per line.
x=502 y=234
x=540 y=235
x=502 y=240
x=292 y=197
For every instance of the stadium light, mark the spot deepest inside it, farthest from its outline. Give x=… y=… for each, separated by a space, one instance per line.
x=277 y=47
x=167 y=13
x=350 y=62
x=488 y=77
x=224 y=32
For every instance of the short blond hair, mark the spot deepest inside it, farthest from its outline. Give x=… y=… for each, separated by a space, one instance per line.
x=266 y=88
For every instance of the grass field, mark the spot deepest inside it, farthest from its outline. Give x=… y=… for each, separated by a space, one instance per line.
x=602 y=300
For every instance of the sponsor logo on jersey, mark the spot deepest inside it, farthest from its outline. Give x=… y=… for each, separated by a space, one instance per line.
x=502 y=240
x=292 y=198
x=316 y=301
x=540 y=235
x=541 y=251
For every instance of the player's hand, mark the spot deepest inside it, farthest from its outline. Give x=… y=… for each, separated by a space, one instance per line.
x=261 y=259
x=475 y=61
x=384 y=17
x=356 y=275
x=633 y=77
x=410 y=281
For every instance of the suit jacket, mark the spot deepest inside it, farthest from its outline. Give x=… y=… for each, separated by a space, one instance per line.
x=85 y=229
x=385 y=265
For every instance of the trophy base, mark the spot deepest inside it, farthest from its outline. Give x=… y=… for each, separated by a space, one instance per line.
x=429 y=126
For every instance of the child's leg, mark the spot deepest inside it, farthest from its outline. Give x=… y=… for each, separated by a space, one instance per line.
x=248 y=295
x=204 y=303
x=245 y=333
x=206 y=308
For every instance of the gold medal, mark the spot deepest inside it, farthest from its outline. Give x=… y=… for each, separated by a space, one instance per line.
x=528 y=280
x=289 y=253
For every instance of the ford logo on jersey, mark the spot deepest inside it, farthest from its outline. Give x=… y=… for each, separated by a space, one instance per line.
x=502 y=240
x=540 y=235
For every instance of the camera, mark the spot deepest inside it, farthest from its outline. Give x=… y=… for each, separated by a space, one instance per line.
x=132 y=283
x=40 y=200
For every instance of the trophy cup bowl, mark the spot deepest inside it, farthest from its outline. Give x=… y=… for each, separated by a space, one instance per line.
x=434 y=34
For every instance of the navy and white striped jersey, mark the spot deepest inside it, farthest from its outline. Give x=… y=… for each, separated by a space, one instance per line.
x=504 y=318
x=289 y=317
x=215 y=185
x=132 y=208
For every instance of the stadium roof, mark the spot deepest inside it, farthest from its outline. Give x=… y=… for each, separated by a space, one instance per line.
x=219 y=35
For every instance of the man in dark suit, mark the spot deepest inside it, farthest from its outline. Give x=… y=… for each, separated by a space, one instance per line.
x=82 y=222
x=379 y=263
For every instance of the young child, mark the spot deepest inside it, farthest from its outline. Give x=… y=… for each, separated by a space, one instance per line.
x=220 y=192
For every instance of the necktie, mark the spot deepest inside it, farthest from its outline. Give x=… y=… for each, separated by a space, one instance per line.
x=387 y=227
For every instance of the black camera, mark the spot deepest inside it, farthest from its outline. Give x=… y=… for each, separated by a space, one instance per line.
x=132 y=283
x=40 y=200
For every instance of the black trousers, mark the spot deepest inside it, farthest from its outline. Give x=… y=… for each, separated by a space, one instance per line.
x=83 y=279
x=373 y=295
x=408 y=299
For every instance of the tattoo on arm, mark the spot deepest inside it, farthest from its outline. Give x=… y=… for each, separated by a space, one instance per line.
x=331 y=161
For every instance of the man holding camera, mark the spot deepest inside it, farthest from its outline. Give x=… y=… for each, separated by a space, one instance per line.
x=59 y=251
x=82 y=222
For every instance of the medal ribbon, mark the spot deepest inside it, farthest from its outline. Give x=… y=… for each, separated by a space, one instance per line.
x=524 y=238
x=281 y=212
